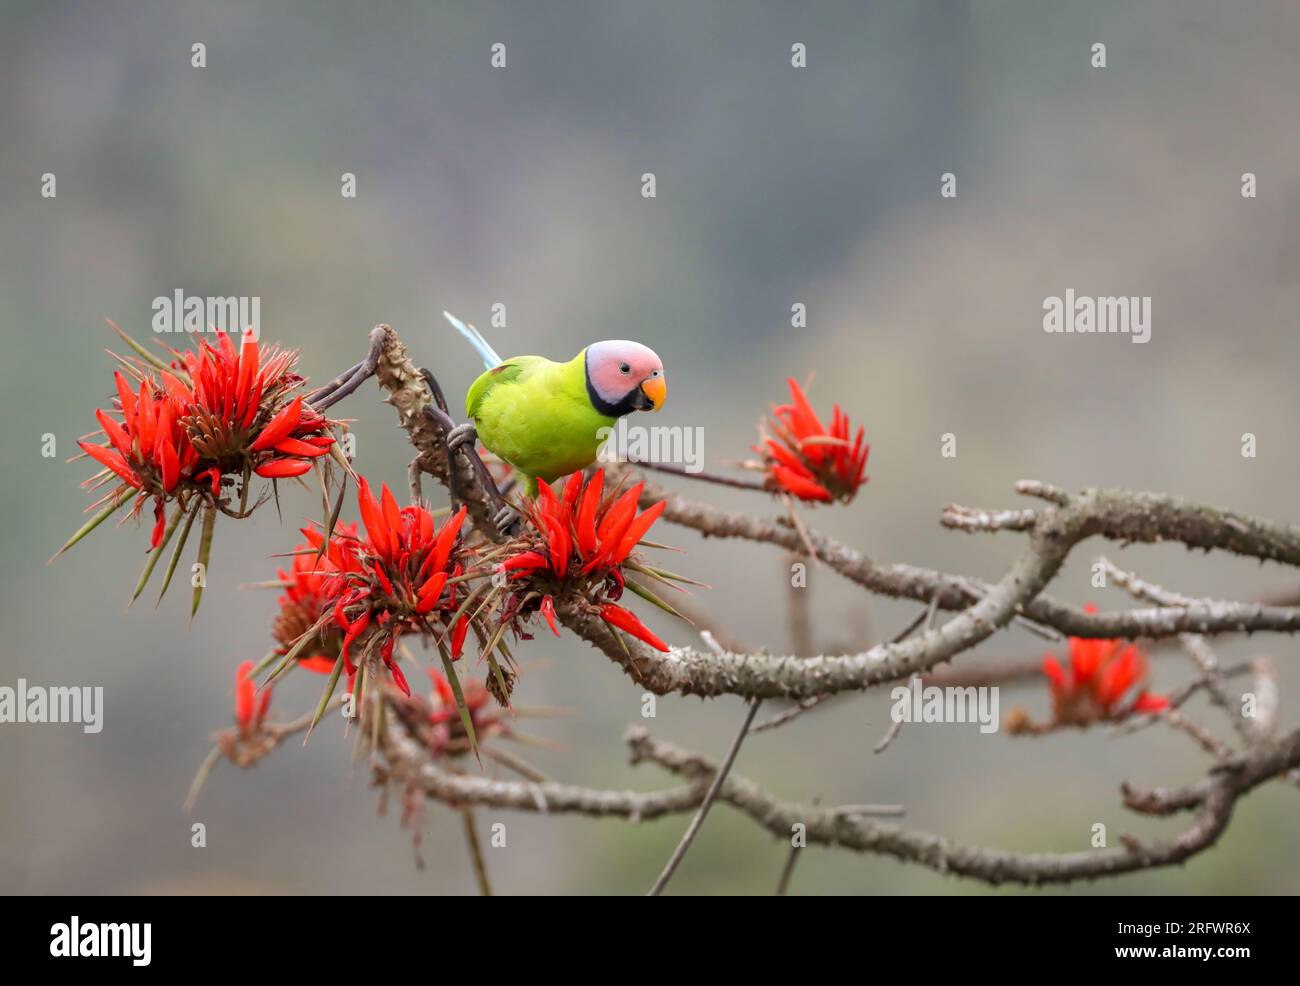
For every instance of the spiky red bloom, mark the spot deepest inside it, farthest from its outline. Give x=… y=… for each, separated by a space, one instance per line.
x=806 y=459
x=1102 y=673
x=393 y=581
x=250 y=708
x=311 y=588
x=576 y=540
x=186 y=427
x=583 y=533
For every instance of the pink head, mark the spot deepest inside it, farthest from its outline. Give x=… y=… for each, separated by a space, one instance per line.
x=623 y=377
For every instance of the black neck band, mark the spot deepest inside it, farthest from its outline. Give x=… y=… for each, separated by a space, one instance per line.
x=626 y=406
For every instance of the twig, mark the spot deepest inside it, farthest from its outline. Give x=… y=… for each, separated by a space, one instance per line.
x=1203 y=739
x=205 y=770
x=719 y=776
x=475 y=851
x=1044 y=491
x=702 y=476
x=512 y=762
x=1194 y=644
x=896 y=726
x=1176 y=700
x=246 y=753
x=787 y=871
x=960 y=518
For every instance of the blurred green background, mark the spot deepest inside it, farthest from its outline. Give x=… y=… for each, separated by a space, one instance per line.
x=522 y=186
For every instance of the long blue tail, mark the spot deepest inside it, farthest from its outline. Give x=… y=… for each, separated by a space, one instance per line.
x=489 y=355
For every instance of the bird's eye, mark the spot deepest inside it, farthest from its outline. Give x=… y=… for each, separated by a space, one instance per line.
x=624 y=368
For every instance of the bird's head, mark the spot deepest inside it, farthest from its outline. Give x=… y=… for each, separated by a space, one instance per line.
x=623 y=377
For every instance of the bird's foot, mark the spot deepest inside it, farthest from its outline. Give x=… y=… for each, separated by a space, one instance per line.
x=461 y=434
x=507 y=520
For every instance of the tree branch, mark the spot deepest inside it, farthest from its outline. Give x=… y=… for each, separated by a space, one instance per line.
x=1114 y=514
x=1210 y=801
x=955 y=592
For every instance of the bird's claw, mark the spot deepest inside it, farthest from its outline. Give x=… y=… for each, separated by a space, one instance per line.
x=507 y=520
x=461 y=434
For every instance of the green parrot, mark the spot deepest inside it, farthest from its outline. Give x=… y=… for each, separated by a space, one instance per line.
x=545 y=418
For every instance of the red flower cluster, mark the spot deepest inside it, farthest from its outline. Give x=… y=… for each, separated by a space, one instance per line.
x=809 y=461
x=585 y=539
x=207 y=415
x=391 y=583
x=310 y=588
x=1102 y=673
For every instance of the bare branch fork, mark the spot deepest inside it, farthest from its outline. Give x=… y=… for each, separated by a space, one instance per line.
x=1113 y=514
x=955 y=592
x=980 y=609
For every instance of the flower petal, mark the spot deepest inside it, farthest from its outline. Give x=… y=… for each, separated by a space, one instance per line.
x=283 y=468
x=107 y=457
x=279 y=427
x=636 y=531
x=628 y=622
x=548 y=611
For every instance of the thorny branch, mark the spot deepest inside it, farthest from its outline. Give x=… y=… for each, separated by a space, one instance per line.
x=1113 y=514
x=1210 y=802
x=955 y=592
x=1053 y=530
x=423 y=415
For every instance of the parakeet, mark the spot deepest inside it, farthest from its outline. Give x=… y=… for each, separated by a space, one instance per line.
x=545 y=418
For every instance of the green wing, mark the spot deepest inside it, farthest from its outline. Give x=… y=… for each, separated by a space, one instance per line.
x=507 y=372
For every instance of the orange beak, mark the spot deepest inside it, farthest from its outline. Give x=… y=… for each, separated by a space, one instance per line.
x=656 y=389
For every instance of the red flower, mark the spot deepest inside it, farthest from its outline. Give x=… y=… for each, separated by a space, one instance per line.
x=1101 y=674
x=250 y=708
x=392 y=582
x=578 y=540
x=808 y=460
x=311 y=588
x=179 y=431
x=208 y=414
x=245 y=410
x=580 y=532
